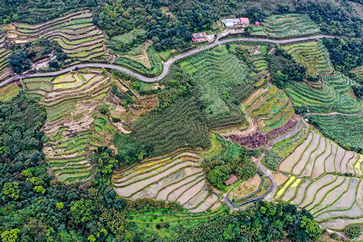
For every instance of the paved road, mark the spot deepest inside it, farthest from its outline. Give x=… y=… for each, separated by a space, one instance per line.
x=166 y=65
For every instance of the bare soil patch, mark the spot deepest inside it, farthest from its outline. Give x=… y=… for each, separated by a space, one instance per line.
x=258 y=139
x=245 y=188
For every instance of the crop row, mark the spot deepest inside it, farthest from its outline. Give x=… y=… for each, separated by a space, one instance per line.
x=287 y=25
x=4 y=54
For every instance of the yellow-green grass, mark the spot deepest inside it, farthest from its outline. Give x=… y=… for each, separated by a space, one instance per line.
x=215 y=148
x=8 y=92
x=68 y=85
x=287 y=184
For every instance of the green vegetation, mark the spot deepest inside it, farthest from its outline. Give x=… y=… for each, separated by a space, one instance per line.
x=323 y=90
x=280 y=219
x=353 y=231
x=272 y=160
x=180 y=125
x=346 y=130
x=222 y=83
x=286 y=25
x=232 y=160
x=156 y=66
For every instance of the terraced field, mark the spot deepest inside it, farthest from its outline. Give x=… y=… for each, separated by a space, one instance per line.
x=346 y=130
x=317 y=156
x=326 y=180
x=75 y=33
x=74 y=122
x=335 y=201
x=219 y=76
x=287 y=25
x=260 y=63
x=250 y=190
x=4 y=54
x=269 y=113
x=269 y=108
x=331 y=93
x=8 y=92
x=178 y=177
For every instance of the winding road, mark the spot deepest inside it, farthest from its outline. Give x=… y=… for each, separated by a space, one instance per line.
x=268 y=173
x=166 y=65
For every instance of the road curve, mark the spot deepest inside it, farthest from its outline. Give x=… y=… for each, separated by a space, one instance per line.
x=166 y=65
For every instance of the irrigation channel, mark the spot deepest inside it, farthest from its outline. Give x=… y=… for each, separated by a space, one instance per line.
x=166 y=65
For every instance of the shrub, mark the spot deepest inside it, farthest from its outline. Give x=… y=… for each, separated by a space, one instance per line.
x=353 y=231
x=272 y=159
x=333 y=236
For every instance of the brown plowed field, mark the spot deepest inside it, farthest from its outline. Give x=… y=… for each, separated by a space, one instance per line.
x=258 y=139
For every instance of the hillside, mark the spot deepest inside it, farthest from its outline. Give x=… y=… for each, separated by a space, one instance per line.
x=181 y=121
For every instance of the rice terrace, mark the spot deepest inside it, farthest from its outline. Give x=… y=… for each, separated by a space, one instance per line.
x=151 y=121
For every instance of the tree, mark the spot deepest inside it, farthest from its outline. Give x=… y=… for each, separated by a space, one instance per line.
x=10 y=236
x=81 y=211
x=311 y=227
x=19 y=62
x=54 y=64
x=11 y=190
x=218 y=175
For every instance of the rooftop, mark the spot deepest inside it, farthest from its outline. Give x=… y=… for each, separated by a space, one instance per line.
x=200 y=35
x=232 y=179
x=231 y=20
x=244 y=20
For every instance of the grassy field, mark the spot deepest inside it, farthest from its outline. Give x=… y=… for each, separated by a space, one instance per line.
x=8 y=92
x=331 y=93
x=287 y=25
x=171 y=222
x=75 y=33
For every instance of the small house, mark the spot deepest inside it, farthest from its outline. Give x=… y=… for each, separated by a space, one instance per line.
x=244 y=22
x=232 y=179
x=197 y=37
x=257 y=23
x=231 y=22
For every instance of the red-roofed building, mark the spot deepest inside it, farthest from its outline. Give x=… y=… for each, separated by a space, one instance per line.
x=197 y=37
x=244 y=22
x=232 y=179
x=257 y=23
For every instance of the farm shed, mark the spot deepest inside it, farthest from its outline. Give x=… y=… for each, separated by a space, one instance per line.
x=231 y=22
x=232 y=179
x=196 y=37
